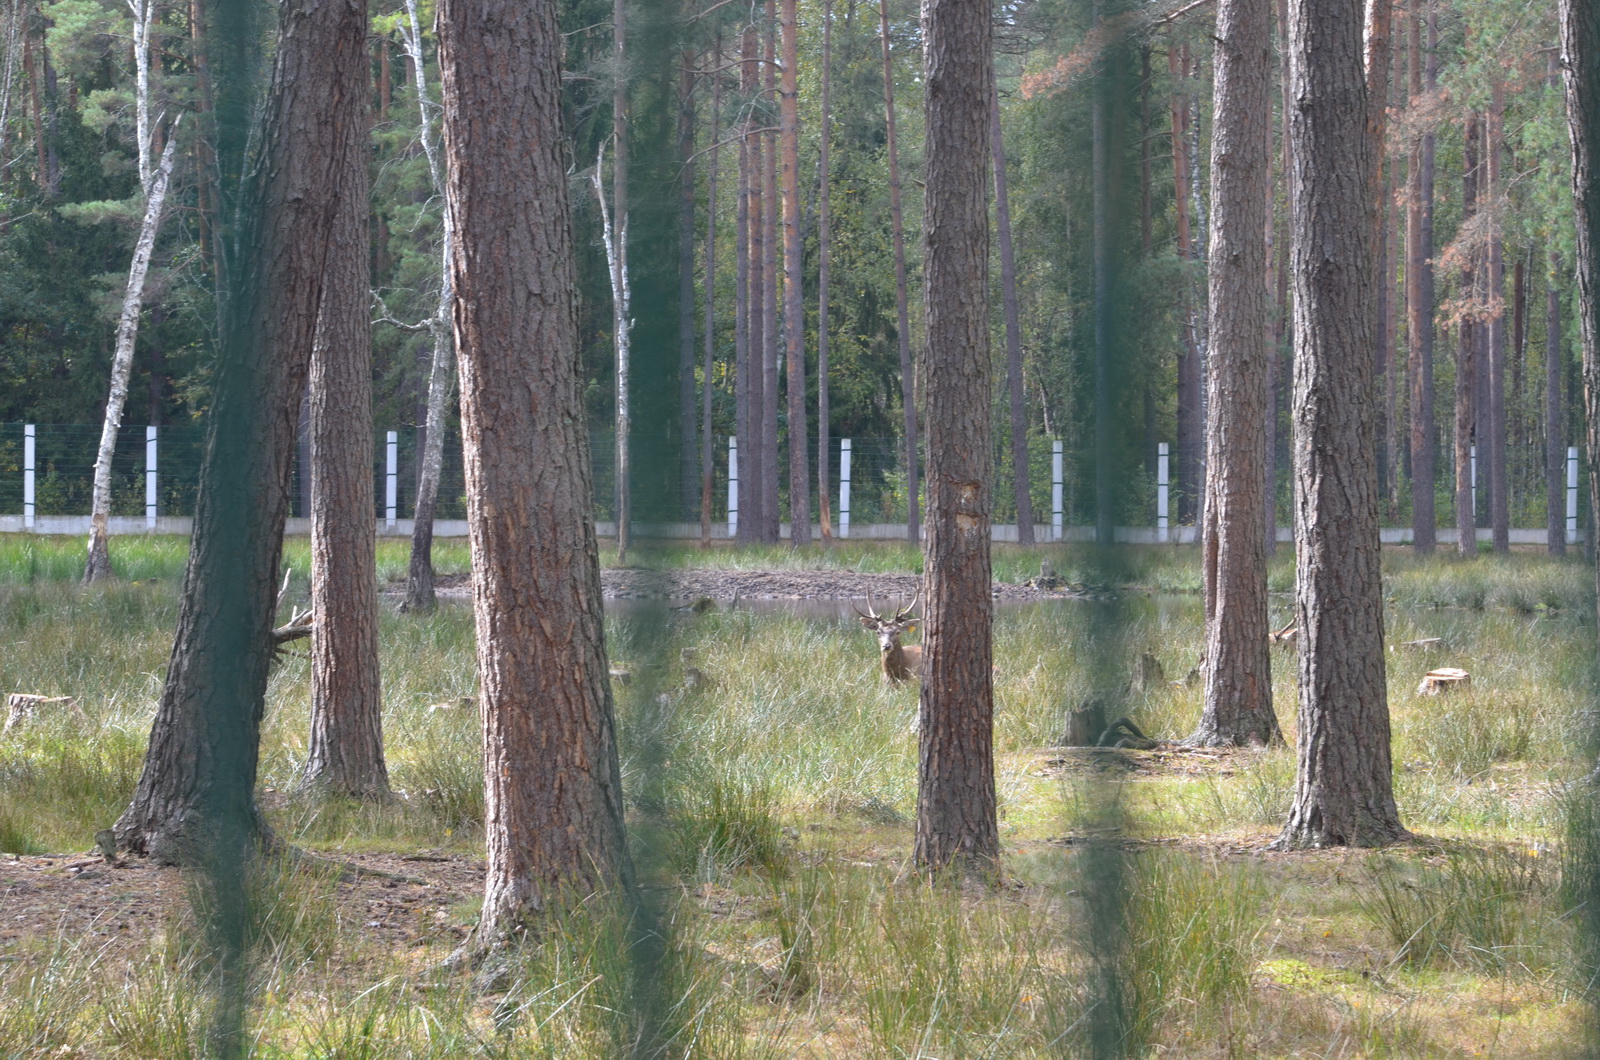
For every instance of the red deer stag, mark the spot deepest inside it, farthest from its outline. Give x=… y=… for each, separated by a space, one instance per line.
x=900 y=663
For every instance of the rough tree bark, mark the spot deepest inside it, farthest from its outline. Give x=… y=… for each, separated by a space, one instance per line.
x=98 y=565
x=1580 y=59
x=1238 y=674
x=553 y=787
x=345 y=756
x=794 y=312
x=1008 y=294
x=196 y=796
x=1419 y=305
x=442 y=368
x=956 y=809
x=908 y=390
x=1343 y=785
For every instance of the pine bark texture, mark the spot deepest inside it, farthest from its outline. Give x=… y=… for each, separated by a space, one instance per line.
x=956 y=811
x=198 y=784
x=553 y=788
x=1238 y=674
x=345 y=755
x=1343 y=785
x=1580 y=59
x=794 y=310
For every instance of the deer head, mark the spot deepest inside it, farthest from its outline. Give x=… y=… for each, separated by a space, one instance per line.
x=900 y=663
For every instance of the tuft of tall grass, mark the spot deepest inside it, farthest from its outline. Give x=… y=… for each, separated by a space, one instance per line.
x=43 y=1000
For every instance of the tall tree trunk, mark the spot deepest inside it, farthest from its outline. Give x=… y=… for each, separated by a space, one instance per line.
x=1008 y=295
x=1377 y=58
x=956 y=807
x=621 y=281
x=708 y=365
x=553 y=783
x=1344 y=784
x=442 y=366
x=1419 y=309
x=1191 y=429
x=908 y=390
x=1238 y=673
x=345 y=756
x=206 y=190
x=752 y=494
x=1467 y=365
x=98 y=565
x=688 y=451
x=195 y=802
x=794 y=312
x=747 y=309
x=1555 y=447
x=8 y=80
x=1580 y=52
x=824 y=270
x=1499 y=506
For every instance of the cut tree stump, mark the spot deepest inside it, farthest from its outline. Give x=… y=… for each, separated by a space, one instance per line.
x=20 y=706
x=1442 y=680
x=1085 y=725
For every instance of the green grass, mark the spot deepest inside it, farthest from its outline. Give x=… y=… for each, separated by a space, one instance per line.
x=771 y=809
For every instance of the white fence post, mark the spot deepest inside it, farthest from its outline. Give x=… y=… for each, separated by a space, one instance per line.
x=391 y=478
x=1572 y=492
x=1163 y=485
x=150 y=478
x=1055 y=491
x=844 y=487
x=27 y=475
x=733 y=485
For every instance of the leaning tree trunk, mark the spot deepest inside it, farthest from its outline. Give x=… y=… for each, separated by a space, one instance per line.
x=908 y=390
x=1580 y=49
x=345 y=756
x=196 y=797
x=1343 y=785
x=553 y=783
x=1008 y=295
x=442 y=370
x=794 y=311
x=99 y=561
x=1238 y=668
x=956 y=815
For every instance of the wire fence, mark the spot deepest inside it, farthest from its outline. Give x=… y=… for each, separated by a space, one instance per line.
x=156 y=473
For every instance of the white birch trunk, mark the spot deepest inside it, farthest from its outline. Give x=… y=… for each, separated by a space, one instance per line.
x=616 y=243
x=143 y=12
x=99 y=561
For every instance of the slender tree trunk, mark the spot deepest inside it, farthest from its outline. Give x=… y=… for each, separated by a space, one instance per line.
x=688 y=452
x=1343 y=785
x=621 y=281
x=771 y=268
x=956 y=807
x=824 y=269
x=195 y=802
x=553 y=787
x=794 y=312
x=1519 y=349
x=1555 y=449
x=345 y=756
x=442 y=367
x=908 y=390
x=1499 y=509
x=747 y=396
x=1008 y=294
x=1419 y=310
x=98 y=565
x=1191 y=431
x=8 y=81
x=1377 y=61
x=752 y=495
x=1238 y=674
x=207 y=177
x=1580 y=51
x=1467 y=366
x=32 y=61
x=709 y=363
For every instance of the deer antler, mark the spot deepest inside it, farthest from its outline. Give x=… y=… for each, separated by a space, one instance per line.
x=871 y=613
x=905 y=612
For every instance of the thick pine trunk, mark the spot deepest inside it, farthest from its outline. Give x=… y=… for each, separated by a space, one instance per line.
x=1580 y=51
x=196 y=797
x=1344 y=785
x=956 y=809
x=345 y=756
x=908 y=390
x=553 y=788
x=1238 y=691
x=794 y=312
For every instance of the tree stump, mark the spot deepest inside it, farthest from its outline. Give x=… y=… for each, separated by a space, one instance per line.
x=1437 y=682
x=21 y=706
x=1085 y=725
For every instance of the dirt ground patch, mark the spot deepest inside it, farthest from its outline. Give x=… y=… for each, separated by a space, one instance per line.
x=633 y=583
